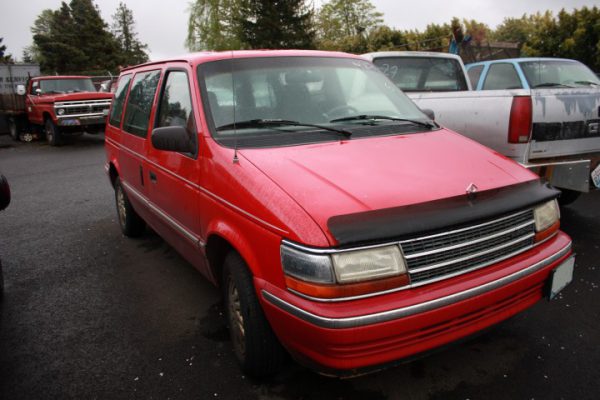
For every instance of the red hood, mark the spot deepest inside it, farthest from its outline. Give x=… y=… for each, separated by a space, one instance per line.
x=51 y=98
x=346 y=177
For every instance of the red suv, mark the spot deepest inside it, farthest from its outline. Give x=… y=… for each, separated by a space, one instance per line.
x=342 y=224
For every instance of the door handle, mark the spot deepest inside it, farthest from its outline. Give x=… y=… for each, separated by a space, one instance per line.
x=152 y=177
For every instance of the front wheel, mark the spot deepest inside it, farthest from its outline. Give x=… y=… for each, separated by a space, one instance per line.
x=255 y=345
x=52 y=133
x=132 y=225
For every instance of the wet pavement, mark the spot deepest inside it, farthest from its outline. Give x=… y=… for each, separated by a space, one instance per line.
x=90 y=314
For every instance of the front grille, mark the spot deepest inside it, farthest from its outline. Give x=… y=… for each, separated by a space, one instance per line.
x=446 y=254
x=83 y=107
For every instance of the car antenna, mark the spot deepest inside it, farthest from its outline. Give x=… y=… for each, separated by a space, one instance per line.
x=235 y=144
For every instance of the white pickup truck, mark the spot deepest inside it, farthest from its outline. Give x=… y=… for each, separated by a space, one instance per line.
x=550 y=127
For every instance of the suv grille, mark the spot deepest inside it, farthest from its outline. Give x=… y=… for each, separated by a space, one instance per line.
x=440 y=256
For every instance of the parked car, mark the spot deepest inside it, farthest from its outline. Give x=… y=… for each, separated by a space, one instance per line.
x=551 y=129
x=341 y=223
x=53 y=107
x=4 y=202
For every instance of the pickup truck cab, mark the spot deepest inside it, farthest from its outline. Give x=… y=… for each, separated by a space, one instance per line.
x=63 y=106
x=342 y=224
x=550 y=127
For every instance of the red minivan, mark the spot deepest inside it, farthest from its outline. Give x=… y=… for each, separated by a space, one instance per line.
x=343 y=225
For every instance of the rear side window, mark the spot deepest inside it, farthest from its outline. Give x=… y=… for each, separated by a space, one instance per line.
x=176 y=104
x=502 y=76
x=119 y=100
x=474 y=75
x=139 y=103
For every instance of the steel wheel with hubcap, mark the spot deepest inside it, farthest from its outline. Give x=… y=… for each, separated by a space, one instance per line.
x=131 y=223
x=255 y=345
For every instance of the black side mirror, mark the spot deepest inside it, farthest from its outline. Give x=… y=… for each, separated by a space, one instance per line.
x=4 y=193
x=172 y=138
x=429 y=112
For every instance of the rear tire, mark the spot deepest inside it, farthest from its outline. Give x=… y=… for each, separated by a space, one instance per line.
x=132 y=225
x=568 y=196
x=52 y=133
x=256 y=347
x=13 y=128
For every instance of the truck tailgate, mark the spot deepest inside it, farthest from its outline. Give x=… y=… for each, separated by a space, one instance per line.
x=565 y=122
x=482 y=116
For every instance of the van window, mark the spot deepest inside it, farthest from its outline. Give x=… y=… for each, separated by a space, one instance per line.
x=139 y=103
x=117 y=107
x=474 y=75
x=175 y=107
x=502 y=76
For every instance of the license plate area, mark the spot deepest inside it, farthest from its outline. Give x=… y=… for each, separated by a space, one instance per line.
x=560 y=277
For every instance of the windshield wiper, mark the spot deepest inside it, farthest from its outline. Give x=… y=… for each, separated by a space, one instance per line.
x=259 y=123
x=368 y=117
x=551 y=84
x=587 y=83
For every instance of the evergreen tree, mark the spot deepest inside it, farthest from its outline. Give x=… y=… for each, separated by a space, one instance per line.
x=74 y=39
x=4 y=58
x=123 y=28
x=276 y=24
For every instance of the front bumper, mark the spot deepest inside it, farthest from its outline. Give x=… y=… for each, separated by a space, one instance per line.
x=348 y=337
x=566 y=174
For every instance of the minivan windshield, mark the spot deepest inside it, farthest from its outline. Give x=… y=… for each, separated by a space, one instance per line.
x=67 y=85
x=274 y=101
x=558 y=73
x=423 y=74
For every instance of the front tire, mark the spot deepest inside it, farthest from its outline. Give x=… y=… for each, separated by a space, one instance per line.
x=132 y=225
x=256 y=347
x=53 y=136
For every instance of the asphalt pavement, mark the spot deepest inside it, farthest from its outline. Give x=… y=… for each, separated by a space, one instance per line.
x=90 y=314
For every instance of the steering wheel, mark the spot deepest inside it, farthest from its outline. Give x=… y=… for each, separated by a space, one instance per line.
x=341 y=111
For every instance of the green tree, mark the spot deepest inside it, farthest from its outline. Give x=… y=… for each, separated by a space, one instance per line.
x=384 y=38
x=276 y=24
x=214 y=25
x=346 y=24
x=74 y=39
x=4 y=58
x=133 y=51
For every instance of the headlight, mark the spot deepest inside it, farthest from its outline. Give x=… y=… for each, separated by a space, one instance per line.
x=344 y=273
x=546 y=215
x=361 y=265
x=60 y=111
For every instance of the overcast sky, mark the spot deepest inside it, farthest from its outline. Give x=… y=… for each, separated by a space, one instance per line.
x=163 y=24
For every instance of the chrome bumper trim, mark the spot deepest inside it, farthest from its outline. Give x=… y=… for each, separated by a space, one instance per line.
x=363 y=320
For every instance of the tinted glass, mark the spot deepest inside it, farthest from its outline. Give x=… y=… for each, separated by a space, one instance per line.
x=502 y=76
x=474 y=75
x=416 y=74
x=117 y=106
x=314 y=90
x=176 y=104
x=139 y=103
x=551 y=73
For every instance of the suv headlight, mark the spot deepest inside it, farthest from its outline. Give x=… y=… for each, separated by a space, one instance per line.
x=60 y=111
x=343 y=273
x=547 y=219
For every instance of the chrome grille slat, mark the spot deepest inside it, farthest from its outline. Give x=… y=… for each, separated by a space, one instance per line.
x=434 y=257
x=83 y=107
